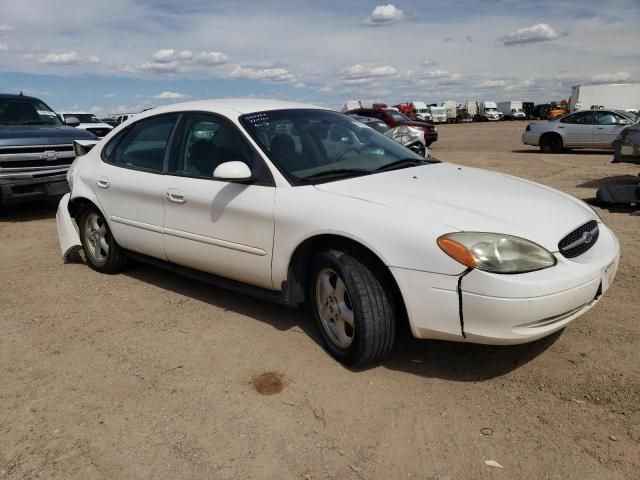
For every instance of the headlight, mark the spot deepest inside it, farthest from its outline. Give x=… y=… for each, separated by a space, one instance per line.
x=495 y=252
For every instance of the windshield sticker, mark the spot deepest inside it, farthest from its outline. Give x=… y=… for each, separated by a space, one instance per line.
x=46 y=112
x=256 y=119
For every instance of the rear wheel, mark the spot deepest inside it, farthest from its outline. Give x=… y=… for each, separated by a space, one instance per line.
x=353 y=309
x=102 y=252
x=551 y=143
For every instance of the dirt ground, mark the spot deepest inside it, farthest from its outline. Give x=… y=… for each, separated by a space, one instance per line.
x=149 y=375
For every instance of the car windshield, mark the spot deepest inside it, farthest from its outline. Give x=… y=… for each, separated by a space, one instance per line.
x=26 y=111
x=630 y=115
x=84 y=117
x=311 y=146
x=397 y=116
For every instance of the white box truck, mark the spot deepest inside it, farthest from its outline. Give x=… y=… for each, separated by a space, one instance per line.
x=450 y=107
x=512 y=110
x=472 y=108
x=438 y=114
x=489 y=111
x=620 y=96
x=422 y=111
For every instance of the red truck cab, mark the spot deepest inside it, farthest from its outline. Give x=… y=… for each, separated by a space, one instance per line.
x=394 y=118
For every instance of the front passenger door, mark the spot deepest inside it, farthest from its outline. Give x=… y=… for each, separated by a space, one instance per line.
x=216 y=226
x=608 y=127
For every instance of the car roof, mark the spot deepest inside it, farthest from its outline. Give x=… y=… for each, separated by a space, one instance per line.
x=240 y=106
x=11 y=95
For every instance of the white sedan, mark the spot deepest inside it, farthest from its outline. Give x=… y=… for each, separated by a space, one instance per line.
x=584 y=129
x=255 y=196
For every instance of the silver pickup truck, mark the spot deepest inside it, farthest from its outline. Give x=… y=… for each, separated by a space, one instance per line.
x=36 y=149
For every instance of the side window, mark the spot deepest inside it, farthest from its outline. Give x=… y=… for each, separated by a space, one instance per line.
x=580 y=118
x=207 y=141
x=143 y=145
x=610 y=118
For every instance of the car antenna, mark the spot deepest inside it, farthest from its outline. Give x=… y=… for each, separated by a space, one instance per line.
x=20 y=93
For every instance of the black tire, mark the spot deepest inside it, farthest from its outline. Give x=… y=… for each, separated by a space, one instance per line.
x=551 y=143
x=114 y=260
x=372 y=304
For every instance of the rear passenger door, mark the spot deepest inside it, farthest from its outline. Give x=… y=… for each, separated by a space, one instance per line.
x=577 y=129
x=130 y=184
x=608 y=127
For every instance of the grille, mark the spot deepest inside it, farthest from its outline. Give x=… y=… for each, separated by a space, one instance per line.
x=36 y=149
x=580 y=240
x=100 y=132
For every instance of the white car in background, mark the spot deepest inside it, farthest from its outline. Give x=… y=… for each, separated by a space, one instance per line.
x=246 y=194
x=584 y=129
x=88 y=121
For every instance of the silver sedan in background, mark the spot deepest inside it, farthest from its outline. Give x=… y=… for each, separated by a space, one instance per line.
x=583 y=129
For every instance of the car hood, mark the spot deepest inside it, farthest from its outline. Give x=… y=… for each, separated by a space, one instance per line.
x=413 y=123
x=21 y=135
x=469 y=199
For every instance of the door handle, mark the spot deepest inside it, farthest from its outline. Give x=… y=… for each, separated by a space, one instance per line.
x=176 y=196
x=560 y=127
x=103 y=182
x=600 y=128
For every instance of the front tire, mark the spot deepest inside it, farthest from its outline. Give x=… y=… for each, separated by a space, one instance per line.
x=354 y=310
x=551 y=144
x=102 y=252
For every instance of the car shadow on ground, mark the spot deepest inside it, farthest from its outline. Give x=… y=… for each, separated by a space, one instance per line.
x=28 y=212
x=462 y=362
x=614 y=180
x=582 y=151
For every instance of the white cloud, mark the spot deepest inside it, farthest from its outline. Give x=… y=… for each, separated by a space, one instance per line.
x=493 y=84
x=429 y=63
x=269 y=74
x=170 y=95
x=211 y=58
x=616 y=77
x=4 y=28
x=109 y=95
x=541 y=32
x=70 y=58
x=158 y=67
x=4 y=47
x=164 y=55
x=384 y=15
x=363 y=72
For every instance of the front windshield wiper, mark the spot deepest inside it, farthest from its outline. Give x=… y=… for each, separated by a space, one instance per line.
x=402 y=163
x=336 y=172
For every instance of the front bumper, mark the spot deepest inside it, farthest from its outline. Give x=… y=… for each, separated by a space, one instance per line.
x=15 y=189
x=508 y=309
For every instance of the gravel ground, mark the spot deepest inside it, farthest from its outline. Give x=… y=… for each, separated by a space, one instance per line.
x=149 y=375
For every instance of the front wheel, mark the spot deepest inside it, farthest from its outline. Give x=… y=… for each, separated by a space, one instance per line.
x=551 y=144
x=353 y=308
x=102 y=252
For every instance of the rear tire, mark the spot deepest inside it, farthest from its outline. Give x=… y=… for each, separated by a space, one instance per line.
x=102 y=252
x=550 y=144
x=353 y=308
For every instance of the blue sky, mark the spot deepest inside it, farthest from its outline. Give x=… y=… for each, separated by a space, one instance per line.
x=125 y=55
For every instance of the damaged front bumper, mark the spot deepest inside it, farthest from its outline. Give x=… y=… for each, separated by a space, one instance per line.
x=67 y=233
x=494 y=309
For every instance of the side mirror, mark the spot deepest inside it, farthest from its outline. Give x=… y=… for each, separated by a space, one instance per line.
x=233 y=172
x=71 y=121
